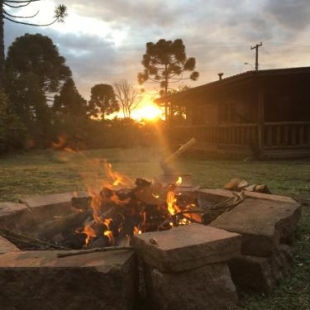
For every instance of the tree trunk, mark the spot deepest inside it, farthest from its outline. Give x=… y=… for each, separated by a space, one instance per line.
x=1 y=46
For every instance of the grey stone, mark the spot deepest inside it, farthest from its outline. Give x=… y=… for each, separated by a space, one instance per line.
x=263 y=223
x=6 y=246
x=261 y=273
x=11 y=208
x=41 y=216
x=39 y=280
x=209 y=287
x=186 y=247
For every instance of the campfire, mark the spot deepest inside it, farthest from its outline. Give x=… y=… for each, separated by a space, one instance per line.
x=122 y=208
x=120 y=212
x=154 y=235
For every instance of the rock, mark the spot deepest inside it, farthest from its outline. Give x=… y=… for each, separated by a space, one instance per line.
x=263 y=223
x=6 y=246
x=209 y=287
x=186 y=247
x=38 y=280
x=261 y=273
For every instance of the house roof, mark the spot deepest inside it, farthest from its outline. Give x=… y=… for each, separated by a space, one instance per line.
x=235 y=79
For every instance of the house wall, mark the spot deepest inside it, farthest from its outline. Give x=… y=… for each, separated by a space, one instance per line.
x=287 y=100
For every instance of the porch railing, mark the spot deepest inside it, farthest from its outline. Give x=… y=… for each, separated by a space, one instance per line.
x=287 y=135
x=275 y=135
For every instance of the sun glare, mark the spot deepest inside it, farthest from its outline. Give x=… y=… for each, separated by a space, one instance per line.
x=148 y=112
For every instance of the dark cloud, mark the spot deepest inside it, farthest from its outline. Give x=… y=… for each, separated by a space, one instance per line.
x=294 y=14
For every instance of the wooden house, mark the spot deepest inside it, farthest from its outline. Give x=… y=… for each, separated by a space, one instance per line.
x=265 y=113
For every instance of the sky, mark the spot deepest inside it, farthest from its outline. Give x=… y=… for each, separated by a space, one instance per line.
x=103 y=41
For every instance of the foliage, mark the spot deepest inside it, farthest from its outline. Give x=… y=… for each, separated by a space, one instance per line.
x=102 y=101
x=166 y=62
x=38 y=55
x=60 y=13
x=12 y=132
x=69 y=101
x=34 y=70
x=127 y=96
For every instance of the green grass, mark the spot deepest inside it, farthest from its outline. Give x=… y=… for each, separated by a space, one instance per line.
x=47 y=172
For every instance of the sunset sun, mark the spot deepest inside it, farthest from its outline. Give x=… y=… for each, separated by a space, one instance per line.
x=148 y=112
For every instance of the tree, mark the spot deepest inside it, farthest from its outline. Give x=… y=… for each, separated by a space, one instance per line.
x=165 y=62
x=127 y=96
x=34 y=70
x=59 y=15
x=12 y=131
x=102 y=101
x=69 y=101
x=38 y=55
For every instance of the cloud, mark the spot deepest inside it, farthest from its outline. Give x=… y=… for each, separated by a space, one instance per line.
x=292 y=14
x=104 y=41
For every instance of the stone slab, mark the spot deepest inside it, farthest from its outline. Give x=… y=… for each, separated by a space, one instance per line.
x=261 y=273
x=40 y=213
x=46 y=200
x=209 y=287
x=40 y=280
x=186 y=247
x=6 y=246
x=263 y=223
x=11 y=208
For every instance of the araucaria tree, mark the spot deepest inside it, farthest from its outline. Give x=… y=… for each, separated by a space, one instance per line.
x=102 y=101
x=34 y=71
x=6 y=5
x=166 y=62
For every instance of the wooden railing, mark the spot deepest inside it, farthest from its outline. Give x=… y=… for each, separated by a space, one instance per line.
x=287 y=135
x=244 y=135
x=275 y=135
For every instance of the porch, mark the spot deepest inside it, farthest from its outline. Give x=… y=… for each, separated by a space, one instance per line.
x=265 y=140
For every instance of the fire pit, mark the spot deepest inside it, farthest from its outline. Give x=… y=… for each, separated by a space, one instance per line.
x=232 y=240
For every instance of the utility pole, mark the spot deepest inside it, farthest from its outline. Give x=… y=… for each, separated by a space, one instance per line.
x=256 y=54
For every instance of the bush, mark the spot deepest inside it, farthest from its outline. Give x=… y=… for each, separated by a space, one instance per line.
x=12 y=131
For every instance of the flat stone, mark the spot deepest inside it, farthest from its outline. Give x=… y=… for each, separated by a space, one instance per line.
x=261 y=273
x=39 y=215
x=11 y=208
x=40 y=280
x=186 y=247
x=263 y=221
x=209 y=287
x=6 y=246
x=46 y=200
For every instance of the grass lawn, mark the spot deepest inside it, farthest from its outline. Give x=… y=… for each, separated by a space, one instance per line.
x=47 y=172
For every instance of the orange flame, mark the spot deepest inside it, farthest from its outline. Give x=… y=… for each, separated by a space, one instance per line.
x=117 y=178
x=170 y=202
x=90 y=233
x=179 y=181
x=109 y=234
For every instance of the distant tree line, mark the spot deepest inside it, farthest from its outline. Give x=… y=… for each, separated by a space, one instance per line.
x=41 y=103
x=41 y=107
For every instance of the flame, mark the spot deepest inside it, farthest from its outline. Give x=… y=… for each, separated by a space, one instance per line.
x=179 y=181
x=117 y=178
x=137 y=231
x=90 y=233
x=170 y=202
x=109 y=234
